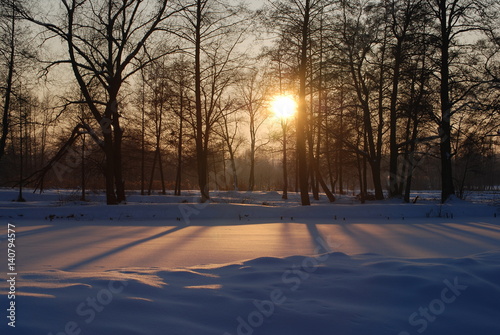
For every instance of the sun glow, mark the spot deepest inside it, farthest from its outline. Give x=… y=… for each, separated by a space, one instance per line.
x=283 y=106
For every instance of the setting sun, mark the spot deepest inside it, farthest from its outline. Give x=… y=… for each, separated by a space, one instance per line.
x=283 y=106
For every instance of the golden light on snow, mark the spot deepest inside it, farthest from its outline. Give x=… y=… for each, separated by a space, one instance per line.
x=283 y=106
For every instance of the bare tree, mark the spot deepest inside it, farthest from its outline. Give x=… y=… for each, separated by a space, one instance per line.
x=296 y=21
x=180 y=78
x=455 y=18
x=158 y=103
x=104 y=40
x=229 y=133
x=308 y=11
x=212 y=31
x=14 y=52
x=252 y=92
x=361 y=47
x=283 y=68
x=8 y=51
x=403 y=16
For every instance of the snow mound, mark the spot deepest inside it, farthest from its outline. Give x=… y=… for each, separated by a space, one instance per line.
x=330 y=293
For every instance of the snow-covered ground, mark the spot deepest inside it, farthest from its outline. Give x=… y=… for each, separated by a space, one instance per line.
x=251 y=263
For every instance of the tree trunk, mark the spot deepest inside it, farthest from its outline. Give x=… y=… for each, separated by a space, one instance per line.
x=410 y=160
x=302 y=112
x=376 y=161
x=447 y=188
x=178 y=179
x=117 y=151
x=162 y=176
x=234 y=171
x=285 y=167
x=8 y=90
x=201 y=154
x=118 y=166
x=329 y=158
x=327 y=191
x=151 y=178
x=340 y=158
x=251 y=178
x=310 y=133
x=360 y=177
x=394 y=176
x=21 y=155
x=143 y=135
x=83 y=169
x=406 y=154
x=109 y=169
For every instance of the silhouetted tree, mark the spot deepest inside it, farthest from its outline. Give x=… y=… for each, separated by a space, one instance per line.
x=104 y=39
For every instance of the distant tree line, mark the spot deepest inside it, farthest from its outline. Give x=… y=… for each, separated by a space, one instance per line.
x=158 y=95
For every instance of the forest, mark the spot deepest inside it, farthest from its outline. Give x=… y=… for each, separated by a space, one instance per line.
x=162 y=96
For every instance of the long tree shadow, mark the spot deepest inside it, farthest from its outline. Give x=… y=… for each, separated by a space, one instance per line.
x=82 y=243
x=121 y=248
x=467 y=233
x=49 y=229
x=362 y=238
x=170 y=248
x=319 y=241
x=371 y=238
x=485 y=226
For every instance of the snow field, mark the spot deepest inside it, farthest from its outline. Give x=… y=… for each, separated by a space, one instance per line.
x=239 y=266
